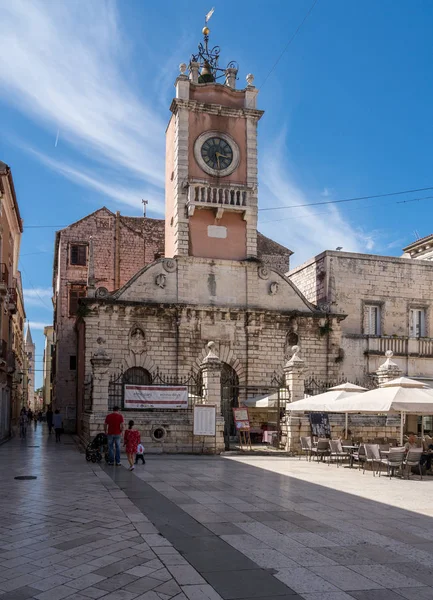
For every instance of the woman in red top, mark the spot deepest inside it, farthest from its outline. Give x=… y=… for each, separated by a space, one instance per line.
x=131 y=439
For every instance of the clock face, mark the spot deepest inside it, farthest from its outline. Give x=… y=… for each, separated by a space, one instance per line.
x=217 y=153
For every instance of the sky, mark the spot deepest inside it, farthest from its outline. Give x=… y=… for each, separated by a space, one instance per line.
x=85 y=90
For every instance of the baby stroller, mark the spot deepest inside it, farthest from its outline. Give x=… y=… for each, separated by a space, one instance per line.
x=97 y=448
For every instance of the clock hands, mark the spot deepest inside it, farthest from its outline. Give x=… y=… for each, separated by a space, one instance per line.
x=218 y=156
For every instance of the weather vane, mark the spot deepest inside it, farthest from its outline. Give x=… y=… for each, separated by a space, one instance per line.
x=208 y=58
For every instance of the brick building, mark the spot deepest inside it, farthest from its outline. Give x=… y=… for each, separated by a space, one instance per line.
x=121 y=246
x=219 y=282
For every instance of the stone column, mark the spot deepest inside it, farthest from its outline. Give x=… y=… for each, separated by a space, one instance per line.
x=100 y=363
x=193 y=71
x=294 y=372
x=389 y=370
x=211 y=374
x=231 y=75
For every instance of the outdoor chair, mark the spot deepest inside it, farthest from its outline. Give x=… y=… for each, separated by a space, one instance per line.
x=306 y=446
x=322 y=449
x=393 y=461
x=413 y=459
x=372 y=456
x=358 y=456
x=336 y=451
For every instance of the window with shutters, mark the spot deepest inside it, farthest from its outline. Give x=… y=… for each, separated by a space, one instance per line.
x=78 y=255
x=417 y=323
x=371 y=319
x=75 y=293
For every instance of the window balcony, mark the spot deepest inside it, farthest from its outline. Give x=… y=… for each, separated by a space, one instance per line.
x=4 y=279
x=400 y=345
x=221 y=197
x=12 y=300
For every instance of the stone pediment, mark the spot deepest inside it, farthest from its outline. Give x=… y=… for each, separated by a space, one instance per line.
x=208 y=282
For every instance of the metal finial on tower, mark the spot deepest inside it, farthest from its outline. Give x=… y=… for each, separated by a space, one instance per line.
x=144 y=203
x=207 y=58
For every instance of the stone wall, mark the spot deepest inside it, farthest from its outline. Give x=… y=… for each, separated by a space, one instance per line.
x=178 y=427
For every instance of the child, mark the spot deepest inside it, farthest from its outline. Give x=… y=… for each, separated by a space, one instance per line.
x=131 y=439
x=140 y=452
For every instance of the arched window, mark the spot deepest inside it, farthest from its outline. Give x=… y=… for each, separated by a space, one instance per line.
x=137 y=376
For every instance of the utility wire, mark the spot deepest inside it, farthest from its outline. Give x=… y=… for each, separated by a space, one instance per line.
x=35 y=289
x=347 y=199
x=289 y=43
x=316 y=214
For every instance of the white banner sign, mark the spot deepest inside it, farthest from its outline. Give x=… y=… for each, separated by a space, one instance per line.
x=204 y=419
x=153 y=396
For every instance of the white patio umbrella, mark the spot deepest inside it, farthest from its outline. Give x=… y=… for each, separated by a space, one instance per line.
x=326 y=402
x=401 y=395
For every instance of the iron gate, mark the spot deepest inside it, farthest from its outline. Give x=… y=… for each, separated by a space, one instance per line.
x=139 y=376
x=233 y=395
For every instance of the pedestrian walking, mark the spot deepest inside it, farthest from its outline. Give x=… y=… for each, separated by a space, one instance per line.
x=29 y=415
x=140 y=454
x=113 y=427
x=58 y=424
x=23 y=423
x=131 y=439
x=49 y=417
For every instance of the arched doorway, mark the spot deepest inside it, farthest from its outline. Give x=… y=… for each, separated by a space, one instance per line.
x=229 y=400
x=138 y=376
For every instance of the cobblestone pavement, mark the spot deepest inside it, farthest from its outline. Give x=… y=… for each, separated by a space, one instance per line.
x=81 y=531
x=328 y=533
x=207 y=528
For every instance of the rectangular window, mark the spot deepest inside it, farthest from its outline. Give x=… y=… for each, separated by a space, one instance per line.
x=417 y=322
x=72 y=363
x=371 y=319
x=74 y=295
x=79 y=254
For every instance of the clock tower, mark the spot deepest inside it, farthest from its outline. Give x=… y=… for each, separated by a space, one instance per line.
x=211 y=162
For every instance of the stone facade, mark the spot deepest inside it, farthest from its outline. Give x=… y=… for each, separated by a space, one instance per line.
x=122 y=245
x=251 y=313
x=11 y=303
x=47 y=374
x=29 y=380
x=394 y=287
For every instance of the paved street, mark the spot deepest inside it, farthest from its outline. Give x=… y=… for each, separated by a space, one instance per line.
x=207 y=528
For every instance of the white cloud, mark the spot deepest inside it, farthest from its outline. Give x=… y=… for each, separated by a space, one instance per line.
x=67 y=69
x=38 y=325
x=129 y=195
x=40 y=297
x=307 y=231
x=38 y=292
